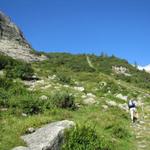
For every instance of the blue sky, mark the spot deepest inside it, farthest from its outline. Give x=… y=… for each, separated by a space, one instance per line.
x=119 y=27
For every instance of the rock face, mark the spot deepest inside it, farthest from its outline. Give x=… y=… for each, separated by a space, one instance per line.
x=49 y=137
x=121 y=70
x=13 y=43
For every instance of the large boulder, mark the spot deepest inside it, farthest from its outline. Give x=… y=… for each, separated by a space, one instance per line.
x=49 y=137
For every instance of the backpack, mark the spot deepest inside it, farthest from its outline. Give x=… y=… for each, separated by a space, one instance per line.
x=131 y=104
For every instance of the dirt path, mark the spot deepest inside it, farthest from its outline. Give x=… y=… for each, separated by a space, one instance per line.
x=89 y=62
x=142 y=130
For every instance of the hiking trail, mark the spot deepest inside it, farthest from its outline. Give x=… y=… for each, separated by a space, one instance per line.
x=89 y=62
x=142 y=130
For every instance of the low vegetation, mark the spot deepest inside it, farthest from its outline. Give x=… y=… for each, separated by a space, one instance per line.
x=62 y=76
x=15 y=68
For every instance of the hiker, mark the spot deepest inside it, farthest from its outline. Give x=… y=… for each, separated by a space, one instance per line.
x=133 y=110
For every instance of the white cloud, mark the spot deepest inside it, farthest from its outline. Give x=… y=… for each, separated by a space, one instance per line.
x=146 y=68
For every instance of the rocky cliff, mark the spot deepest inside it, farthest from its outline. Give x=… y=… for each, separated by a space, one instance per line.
x=13 y=43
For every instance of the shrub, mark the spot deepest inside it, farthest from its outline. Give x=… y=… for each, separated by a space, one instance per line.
x=22 y=70
x=29 y=104
x=83 y=138
x=5 y=83
x=15 y=68
x=63 y=100
x=118 y=130
x=4 y=61
x=63 y=78
x=3 y=98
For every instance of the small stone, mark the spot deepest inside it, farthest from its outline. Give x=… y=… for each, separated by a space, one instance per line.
x=111 y=103
x=141 y=122
x=123 y=107
x=105 y=107
x=89 y=101
x=81 y=89
x=91 y=95
x=24 y=114
x=52 y=77
x=66 y=86
x=46 y=87
x=3 y=109
x=30 y=130
x=43 y=97
x=122 y=97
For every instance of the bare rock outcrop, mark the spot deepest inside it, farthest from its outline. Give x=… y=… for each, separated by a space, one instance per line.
x=49 y=137
x=13 y=43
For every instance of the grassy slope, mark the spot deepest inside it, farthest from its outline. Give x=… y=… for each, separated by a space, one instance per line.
x=13 y=124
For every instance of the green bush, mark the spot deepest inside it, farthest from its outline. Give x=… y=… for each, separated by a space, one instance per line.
x=4 y=96
x=4 y=61
x=63 y=100
x=83 y=138
x=15 y=68
x=22 y=70
x=5 y=83
x=29 y=104
x=64 y=78
x=118 y=130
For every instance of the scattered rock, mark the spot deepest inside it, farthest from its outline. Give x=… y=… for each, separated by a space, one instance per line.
x=91 y=95
x=46 y=87
x=122 y=97
x=81 y=89
x=123 y=106
x=41 y=82
x=66 y=86
x=83 y=96
x=52 y=77
x=89 y=101
x=3 y=109
x=49 y=137
x=111 y=103
x=78 y=105
x=105 y=107
x=43 y=97
x=30 y=130
x=141 y=122
x=24 y=115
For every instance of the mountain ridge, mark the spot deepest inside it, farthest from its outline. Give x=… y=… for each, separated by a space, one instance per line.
x=13 y=42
